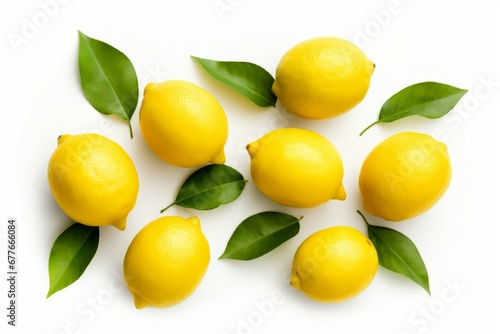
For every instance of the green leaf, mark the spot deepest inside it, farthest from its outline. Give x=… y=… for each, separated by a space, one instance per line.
x=259 y=234
x=70 y=255
x=427 y=99
x=209 y=187
x=398 y=253
x=250 y=80
x=108 y=78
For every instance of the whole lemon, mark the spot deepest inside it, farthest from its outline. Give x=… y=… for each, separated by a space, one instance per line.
x=334 y=264
x=166 y=261
x=93 y=180
x=404 y=176
x=296 y=167
x=322 y=77
x=183 y=124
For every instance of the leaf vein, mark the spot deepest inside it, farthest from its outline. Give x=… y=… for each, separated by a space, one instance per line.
x=103 y=72
x=55 y=285
x=207 y=190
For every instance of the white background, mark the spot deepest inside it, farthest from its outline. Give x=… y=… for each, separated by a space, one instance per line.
x=410 y=41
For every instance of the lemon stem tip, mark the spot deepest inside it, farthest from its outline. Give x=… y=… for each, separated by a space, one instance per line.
x=139 y=303
x=340 y=194
x=120 y=223
x=295 y=281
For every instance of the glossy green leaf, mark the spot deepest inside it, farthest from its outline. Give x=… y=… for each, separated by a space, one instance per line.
x=259 y=234
x=427 y=99
x=250 y=80
x=108 y=78
x=398 y=253
x=70 y=255
x=209 y=187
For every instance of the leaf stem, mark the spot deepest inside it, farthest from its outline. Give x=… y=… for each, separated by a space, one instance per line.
x=369 y=126
x=362 y=216
x=163 y=210
x=130 y=130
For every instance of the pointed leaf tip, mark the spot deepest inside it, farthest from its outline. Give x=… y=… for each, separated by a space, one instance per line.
x=248 y=79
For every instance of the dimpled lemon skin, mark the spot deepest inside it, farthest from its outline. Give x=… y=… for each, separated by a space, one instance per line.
x=183 y=124
x=166 y=261
x=334 y=264
x=93 y=180
x=296 y=168
x=322 y=77
x=404 y=176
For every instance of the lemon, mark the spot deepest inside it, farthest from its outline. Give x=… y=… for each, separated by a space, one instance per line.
x=93 y=180
x=296 y=168
x=166 y=261
x=183 y=124
x=322 y=77
x=404 y=176
x=334 y=264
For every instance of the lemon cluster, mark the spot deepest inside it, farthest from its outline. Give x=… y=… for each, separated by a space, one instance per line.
x=95 y=182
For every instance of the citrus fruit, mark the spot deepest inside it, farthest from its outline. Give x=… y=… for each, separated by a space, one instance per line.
x=183 y=124
x=334 y=264
x=296 y=167
x=404 y=176
x=322 y=77
x=93 y=180
x=166 y=261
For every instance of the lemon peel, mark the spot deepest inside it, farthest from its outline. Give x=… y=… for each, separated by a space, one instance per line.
x=334 y=264
x=166 y=261
x=322 y=77
x=183 y=124
x=93 y=180
x=297 y=168
x=404 y=176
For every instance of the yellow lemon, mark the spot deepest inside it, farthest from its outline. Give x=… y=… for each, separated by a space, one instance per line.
x=297 y=168
x=334 y=264
x=404 y=176
x=183 y=124
x=322 y=77
x=93 y=180
x=166 y=261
